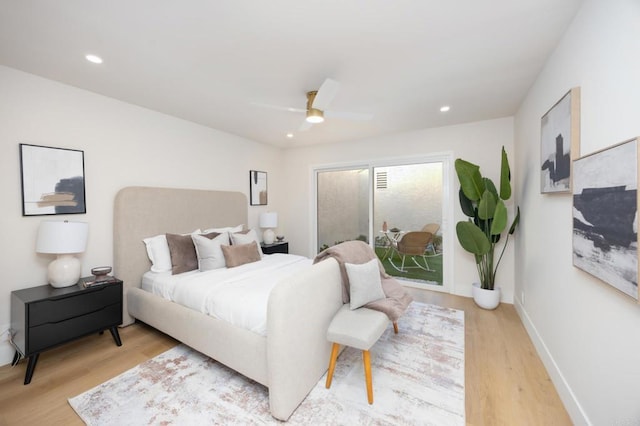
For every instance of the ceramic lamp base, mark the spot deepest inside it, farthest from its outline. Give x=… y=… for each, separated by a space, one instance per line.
x=64 y=271
x=268 y=236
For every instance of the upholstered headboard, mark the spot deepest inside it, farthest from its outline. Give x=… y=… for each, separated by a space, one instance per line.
x=141 y=212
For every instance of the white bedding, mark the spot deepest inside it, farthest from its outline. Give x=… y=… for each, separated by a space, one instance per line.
x=238 y=295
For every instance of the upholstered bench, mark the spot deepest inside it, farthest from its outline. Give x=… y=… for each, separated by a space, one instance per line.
x=359 y=328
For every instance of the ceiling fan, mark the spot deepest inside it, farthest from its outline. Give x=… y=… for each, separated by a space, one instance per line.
x=317 y=103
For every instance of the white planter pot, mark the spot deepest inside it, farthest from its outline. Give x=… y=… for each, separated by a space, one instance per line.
x=486 y=299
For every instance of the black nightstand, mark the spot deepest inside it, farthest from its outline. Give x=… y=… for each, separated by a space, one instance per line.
x=277 y=247
x=44 y=317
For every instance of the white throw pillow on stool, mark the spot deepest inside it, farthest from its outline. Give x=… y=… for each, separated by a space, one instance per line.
x=364 y=283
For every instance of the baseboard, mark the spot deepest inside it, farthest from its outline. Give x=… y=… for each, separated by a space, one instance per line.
x=571 y=404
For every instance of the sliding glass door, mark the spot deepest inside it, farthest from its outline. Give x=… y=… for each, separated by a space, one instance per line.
x=399 y=208
x=407 y=205
x=342 y=206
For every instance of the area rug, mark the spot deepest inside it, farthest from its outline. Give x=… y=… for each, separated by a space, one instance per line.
x=418 y=378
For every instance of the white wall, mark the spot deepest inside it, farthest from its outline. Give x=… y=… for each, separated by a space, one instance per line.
x=123 y=145
x=479 y=142
x=586 y=332
x=421 y=200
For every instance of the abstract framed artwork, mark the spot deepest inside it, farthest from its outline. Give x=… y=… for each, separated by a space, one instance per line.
x=560 y=143
x=605 y=206
x=52 y=180
x=257 y=188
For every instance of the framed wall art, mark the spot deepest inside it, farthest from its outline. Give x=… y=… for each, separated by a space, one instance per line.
x=560 y=143
x=257 y=188
x=605 y=206
x=52 y=180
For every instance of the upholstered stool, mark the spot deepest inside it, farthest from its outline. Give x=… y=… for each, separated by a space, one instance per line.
x=360 y=329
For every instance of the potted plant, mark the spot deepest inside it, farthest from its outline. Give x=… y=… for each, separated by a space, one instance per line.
x=484 y=204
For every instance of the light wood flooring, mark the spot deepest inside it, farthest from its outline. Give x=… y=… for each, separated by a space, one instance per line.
x=505 y=381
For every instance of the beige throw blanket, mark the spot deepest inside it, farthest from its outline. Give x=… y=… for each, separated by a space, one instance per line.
x=359 y=252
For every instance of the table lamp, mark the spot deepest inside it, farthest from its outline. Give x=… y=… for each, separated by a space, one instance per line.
x=268 y=220
x=63 y=239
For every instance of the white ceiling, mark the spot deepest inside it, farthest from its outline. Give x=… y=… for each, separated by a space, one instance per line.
x=207 y=61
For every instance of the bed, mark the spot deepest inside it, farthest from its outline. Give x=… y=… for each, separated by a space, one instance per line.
x=292 y=356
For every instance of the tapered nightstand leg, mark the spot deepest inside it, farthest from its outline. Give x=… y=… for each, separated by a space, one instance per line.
x=116 y=336
x=33 y=359
x=16 y=358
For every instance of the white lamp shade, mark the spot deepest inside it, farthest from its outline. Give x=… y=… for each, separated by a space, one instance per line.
x=269 y=220
x=62 y=237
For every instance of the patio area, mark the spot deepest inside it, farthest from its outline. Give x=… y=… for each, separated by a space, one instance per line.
x=413 y=273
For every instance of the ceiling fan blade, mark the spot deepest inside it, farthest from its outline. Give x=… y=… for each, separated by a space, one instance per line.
x=355 y=116
x=277 y=107
x=305 y=125
x=326 y=93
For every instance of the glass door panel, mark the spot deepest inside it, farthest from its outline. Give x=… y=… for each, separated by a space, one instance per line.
x=343 y=206
x=407 y=203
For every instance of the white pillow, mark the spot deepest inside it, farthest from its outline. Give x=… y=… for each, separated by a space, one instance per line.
x=248 y=238
x=364 y=283
x=209 y=251
x=229 y=229
x=158 y=252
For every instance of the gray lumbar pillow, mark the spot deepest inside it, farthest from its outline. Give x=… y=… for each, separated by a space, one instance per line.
x=364 y=283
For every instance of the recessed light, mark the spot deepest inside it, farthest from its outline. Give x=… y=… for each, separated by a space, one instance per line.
x=290 y=135
x=94 y=59
x=445 y=108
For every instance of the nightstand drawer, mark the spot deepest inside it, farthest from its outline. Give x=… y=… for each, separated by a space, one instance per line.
x=43 y=317
x=278 y=247
x=50 y=334
x=56 y=310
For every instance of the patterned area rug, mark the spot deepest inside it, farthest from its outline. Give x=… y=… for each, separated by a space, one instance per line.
x=418 y=378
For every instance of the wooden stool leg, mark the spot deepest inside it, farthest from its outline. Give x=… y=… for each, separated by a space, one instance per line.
x=395 y=327
x=332 y=364
x=367 y=375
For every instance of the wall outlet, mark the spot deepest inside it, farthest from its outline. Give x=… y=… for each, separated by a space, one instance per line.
x=522 y=298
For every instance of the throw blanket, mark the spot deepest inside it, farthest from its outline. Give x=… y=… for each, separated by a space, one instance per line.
x=359 y=252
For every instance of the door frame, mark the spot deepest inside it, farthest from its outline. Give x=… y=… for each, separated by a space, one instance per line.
x=447 y=226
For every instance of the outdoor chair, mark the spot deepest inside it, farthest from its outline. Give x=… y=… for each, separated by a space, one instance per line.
x=433 y=228
x=412 y=245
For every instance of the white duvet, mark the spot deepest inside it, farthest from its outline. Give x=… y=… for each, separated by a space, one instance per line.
x=238 y=295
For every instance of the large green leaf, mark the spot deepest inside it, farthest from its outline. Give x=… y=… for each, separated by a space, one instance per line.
x=499 y=218
x=490 y=186
x=505 y=177
x=470 y=179
x=487 y=206
x=466 y=204
x=472 y=239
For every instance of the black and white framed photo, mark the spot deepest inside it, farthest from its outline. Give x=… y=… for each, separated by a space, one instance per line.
x=560 y=143
x=257 y=188
x=605 y=220
x=52 y=180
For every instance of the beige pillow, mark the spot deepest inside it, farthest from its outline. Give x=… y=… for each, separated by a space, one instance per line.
x=237 y=255
x=246 y=237
x=158 y=252
x=183 y=252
